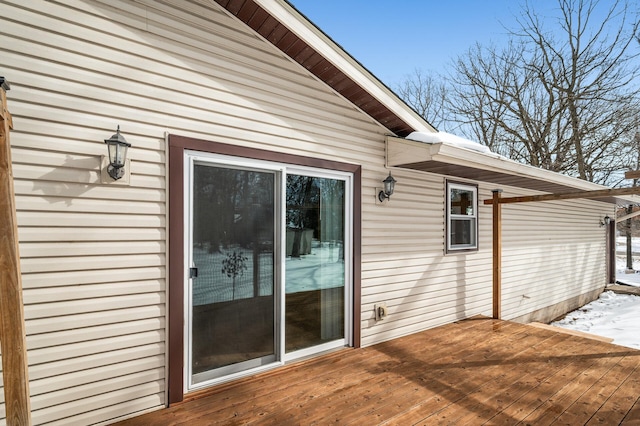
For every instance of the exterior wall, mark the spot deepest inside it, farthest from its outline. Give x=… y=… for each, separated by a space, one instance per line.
x=94 y=255
x=404 y=265
x=553 y=259
x=553 y=252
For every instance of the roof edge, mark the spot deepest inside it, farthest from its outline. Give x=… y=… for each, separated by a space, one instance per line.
x=283 y=11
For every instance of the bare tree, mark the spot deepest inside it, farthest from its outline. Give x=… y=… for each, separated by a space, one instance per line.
x=561 y=94
x=426 y=93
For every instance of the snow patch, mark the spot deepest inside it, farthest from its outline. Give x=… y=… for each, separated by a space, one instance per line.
x=448 y=139
x=612 y=315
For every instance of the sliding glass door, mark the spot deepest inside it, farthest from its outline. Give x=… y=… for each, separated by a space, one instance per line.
x=268 y=249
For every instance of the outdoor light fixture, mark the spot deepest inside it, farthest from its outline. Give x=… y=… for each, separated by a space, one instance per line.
x=605 y=222
x=117 y=146
x=389 y=185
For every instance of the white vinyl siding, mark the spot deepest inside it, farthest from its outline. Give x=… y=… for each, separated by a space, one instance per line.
x=404 y=262
x=552 y=251
x=94 y=256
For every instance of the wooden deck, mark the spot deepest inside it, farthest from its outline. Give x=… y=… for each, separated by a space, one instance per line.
x=475 y=372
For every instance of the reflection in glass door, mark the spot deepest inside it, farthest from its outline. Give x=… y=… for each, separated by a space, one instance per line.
x=232 y=301
x=315 y=261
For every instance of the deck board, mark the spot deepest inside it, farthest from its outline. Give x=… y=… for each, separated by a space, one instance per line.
x=477 y=371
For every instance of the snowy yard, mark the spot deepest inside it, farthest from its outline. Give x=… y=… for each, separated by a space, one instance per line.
x=321 y=268
x=616 y=316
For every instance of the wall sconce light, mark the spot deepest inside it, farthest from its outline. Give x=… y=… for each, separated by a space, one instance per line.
x=605 y=222
x=117 y=146
x=389 y=185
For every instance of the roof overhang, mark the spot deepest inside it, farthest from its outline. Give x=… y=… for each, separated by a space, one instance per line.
x=455 y=161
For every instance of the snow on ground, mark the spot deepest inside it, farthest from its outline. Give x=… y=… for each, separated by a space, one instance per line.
x=629 y=279
x=616 y=316
x=321 y=268
x=621 y=262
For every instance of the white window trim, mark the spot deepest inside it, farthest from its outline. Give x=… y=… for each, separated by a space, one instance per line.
x=449 y=248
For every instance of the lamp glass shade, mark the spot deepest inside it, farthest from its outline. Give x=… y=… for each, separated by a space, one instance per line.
x=117 y=153
x=389 y=185
x=117 y=146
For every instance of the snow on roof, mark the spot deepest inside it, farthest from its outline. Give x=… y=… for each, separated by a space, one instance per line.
x=448 y=139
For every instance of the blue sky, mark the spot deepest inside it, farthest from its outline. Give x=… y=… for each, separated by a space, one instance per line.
x=392 y=38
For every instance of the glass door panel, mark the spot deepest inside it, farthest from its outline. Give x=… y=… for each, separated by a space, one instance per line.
x=232 y=303
x=315 y=261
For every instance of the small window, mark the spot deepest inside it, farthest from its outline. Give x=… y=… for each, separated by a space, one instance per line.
x=462 y=217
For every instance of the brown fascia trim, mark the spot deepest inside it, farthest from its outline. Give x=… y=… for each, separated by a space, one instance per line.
x=290 y=44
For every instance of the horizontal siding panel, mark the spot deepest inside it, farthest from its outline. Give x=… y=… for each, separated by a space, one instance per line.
x=393 y=331
x=30 y=133
x=56 y=174
x=559 y=255
x=182 y=105
x=407 y=307
x=476 y=301
x=78 y=190
x=53 y=249
x=93 y=305
x=67 y=322
x=58 y=353
x=20 y=156
x=436 y=264
x=114 y=411
x=110 y=359
x=469 y=305
x=59 y=414
x=95 y=220
x=284 y=139
x=55 y=279
x=90 y=263
x=420 y=291
x=433 y=275
x=85 y=334
x=142 y=44
x=162 y=92
x=62 y=204
x=554 y=268
x=91 y=108
x=429 y=284
x=76 y=234
x=541 y=275
x=93 y=375
x=552 y=291
x=340 y=133
x=88 y=291
x=79 y=393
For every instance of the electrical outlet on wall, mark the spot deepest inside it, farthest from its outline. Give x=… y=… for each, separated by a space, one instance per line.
x=381 y=311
